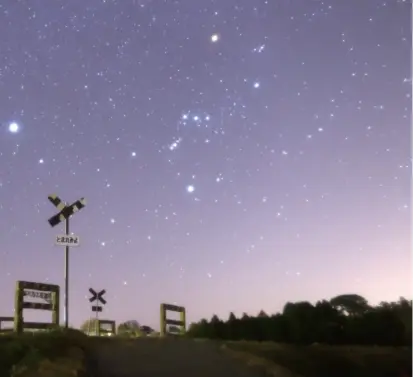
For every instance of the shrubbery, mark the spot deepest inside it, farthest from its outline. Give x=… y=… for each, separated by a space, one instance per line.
x=23 y=354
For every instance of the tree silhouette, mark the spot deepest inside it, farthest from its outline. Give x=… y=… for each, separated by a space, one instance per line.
x=345 y=319
x=129 y=328
x=262 y=314
x=350 y=304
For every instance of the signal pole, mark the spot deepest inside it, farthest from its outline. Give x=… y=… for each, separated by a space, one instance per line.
x=66 y=306
x=65 y=211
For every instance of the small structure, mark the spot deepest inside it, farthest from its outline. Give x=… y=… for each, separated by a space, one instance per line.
x=101 y=327
x=165 y=321
x=6 y=320
x=47 y=292
x=106 y=327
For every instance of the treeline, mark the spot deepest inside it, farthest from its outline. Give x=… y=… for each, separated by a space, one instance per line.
x=345 y=319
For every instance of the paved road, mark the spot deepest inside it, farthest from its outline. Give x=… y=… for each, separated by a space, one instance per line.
x=165 y=358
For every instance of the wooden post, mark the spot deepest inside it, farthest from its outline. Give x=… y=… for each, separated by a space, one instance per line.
x=56 y=307
x=163 y=320
x=183 y=320
x=18 y=308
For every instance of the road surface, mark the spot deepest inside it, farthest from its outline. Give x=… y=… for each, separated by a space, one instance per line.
x=168 y=357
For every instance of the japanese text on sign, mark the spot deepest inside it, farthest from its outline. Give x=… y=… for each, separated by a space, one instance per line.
x=47 y=296
x=67 y=240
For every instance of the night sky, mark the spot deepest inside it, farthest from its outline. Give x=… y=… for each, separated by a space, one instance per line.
x=234 y=154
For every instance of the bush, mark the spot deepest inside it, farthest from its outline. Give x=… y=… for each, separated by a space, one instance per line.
x=24 y=353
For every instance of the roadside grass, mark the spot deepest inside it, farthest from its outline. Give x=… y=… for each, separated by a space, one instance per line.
x=324 y=360
x=50 y=353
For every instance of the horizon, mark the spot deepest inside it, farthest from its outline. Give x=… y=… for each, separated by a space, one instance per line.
x=35 y=315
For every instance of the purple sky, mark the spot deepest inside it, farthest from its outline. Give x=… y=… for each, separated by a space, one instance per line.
x=234 y=155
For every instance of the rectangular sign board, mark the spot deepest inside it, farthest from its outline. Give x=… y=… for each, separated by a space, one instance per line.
x=64 y=240
x=47 y=296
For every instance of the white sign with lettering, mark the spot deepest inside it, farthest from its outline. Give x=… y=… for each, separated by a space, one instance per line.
x=64 y=240
x=47 y=296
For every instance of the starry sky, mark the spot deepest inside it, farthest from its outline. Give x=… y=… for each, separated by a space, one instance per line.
x=233 y=154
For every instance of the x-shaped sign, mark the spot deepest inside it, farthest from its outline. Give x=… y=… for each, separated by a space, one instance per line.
x=97 y=296
x=64 y=211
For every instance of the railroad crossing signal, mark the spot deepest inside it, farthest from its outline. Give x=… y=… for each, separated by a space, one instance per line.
x=64 y=211
x=63 y=216
x=98 y=297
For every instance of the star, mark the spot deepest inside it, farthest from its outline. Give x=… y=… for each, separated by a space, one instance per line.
x=214 y=38
x=14 y=127
x=190 y=188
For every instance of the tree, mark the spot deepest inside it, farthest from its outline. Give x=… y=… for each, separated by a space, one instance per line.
x=199 y=329
x=300 y=316
x=350 y=304
x=216 y=327
x=244 y=316
x=403 y=309
x=232 y=317
x=232 y=327
x=328 y=323
x=262 y=314
x=129 y=328
x=345 y=319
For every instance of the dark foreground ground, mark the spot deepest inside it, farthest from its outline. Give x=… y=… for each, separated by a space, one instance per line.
x=196 y=358
x=324 y=360
x=71 y=353
x=166 y=358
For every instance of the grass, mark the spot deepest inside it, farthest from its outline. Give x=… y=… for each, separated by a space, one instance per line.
x=325 y=361
x=51 y=353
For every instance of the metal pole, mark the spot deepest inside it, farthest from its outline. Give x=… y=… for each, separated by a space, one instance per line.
x=88 y=325
x=66 y=308
x=97 y=327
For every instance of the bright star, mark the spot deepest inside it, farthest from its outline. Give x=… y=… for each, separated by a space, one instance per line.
x=13 y=127
x=190 y=188
x=214 y=38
